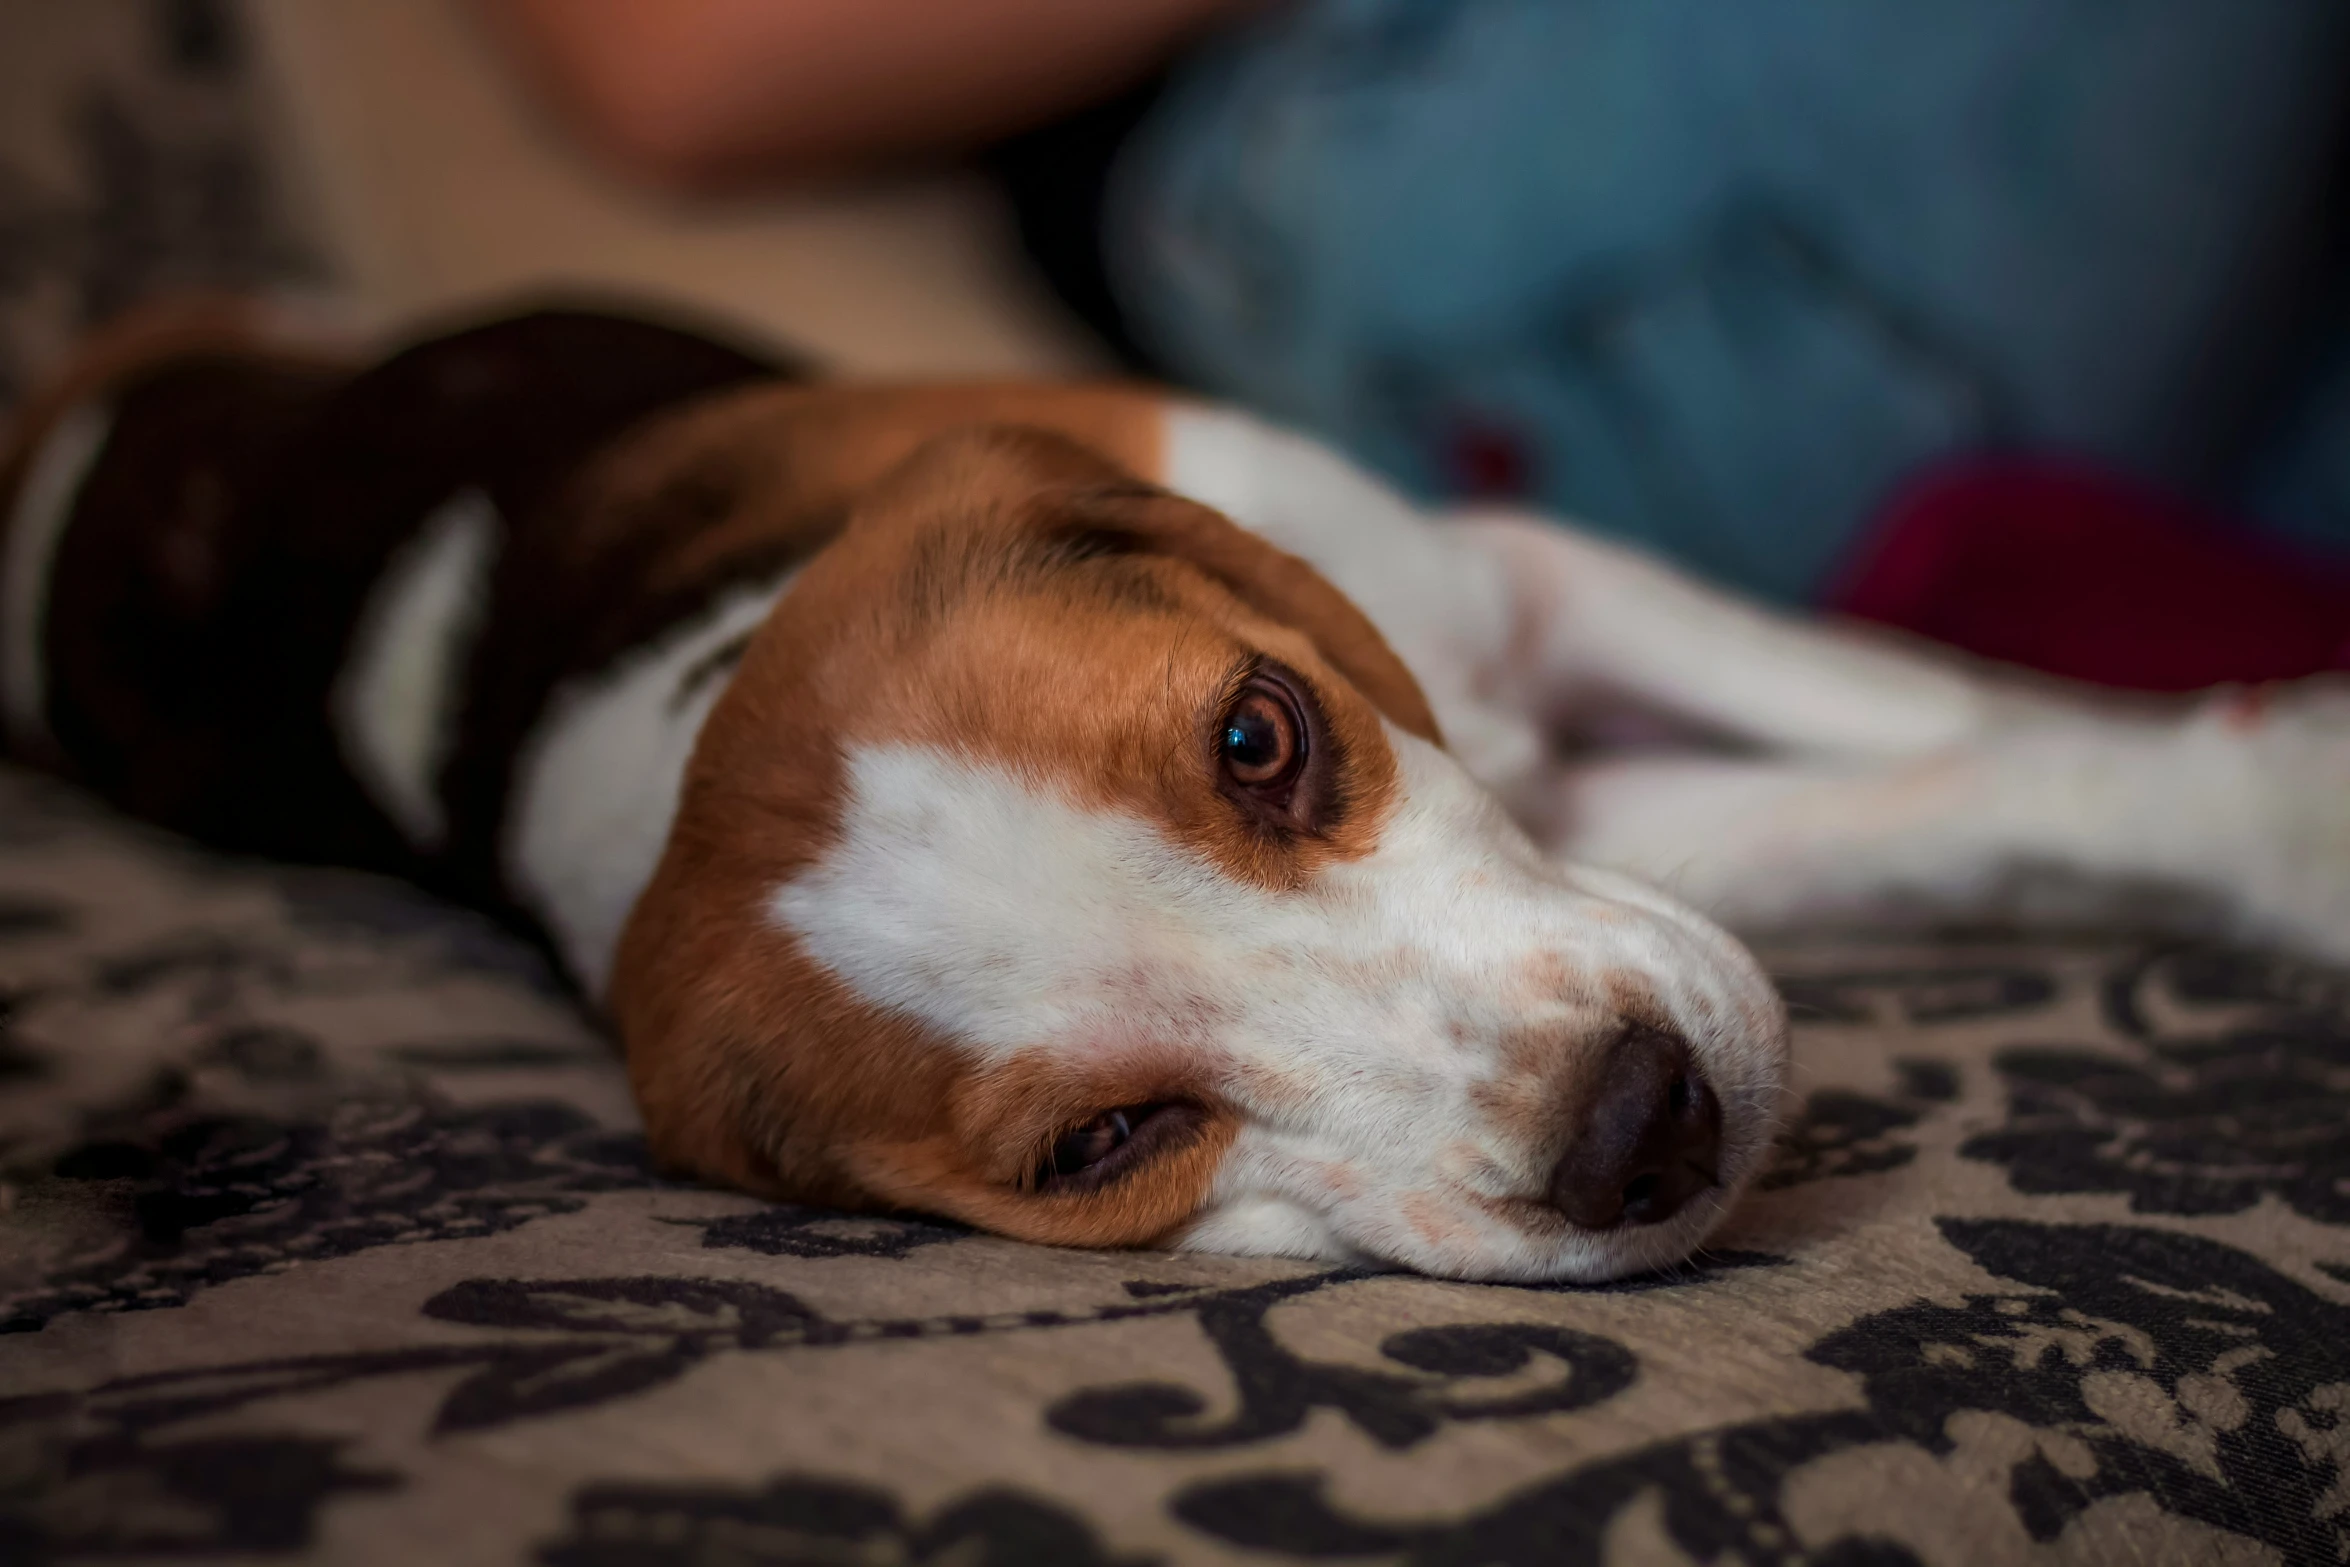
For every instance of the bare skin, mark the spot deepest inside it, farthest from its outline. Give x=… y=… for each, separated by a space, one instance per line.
x=711 y=94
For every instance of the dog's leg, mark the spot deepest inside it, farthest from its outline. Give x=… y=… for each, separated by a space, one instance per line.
x=1893 y=777
x=1597 y=627
x=1514 y=624
x=2232 y=816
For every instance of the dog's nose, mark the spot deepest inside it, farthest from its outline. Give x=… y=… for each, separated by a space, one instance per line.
x=1647 y=1140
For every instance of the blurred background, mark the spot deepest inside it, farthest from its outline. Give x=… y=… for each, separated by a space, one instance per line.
x=2018 y=323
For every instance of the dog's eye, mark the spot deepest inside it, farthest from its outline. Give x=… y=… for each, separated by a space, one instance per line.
x=1263 y=745
x=1093 y=1153
x=1082 y=1147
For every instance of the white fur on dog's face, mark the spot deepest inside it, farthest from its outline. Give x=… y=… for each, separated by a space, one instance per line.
x=1381 y=1034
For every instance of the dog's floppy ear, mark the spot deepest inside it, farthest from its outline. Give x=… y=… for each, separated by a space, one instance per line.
x=1270 y=581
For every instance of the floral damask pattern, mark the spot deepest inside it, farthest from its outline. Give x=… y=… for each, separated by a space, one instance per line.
x=216 y=1198
x=2144 y=1363
x=1840 y=1132
x=2138 y=1366
x=2196 y=1121
x=795 y=1521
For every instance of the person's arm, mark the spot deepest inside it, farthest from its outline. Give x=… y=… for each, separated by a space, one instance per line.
x=712 y=92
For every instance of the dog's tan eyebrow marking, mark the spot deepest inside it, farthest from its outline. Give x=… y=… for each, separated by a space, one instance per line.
x=1075 y=546
x=1108 y=560
x=1227 y=692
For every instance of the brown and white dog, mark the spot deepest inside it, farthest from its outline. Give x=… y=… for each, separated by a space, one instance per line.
x=1086 y=813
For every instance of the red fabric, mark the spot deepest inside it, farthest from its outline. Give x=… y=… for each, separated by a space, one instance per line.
x=2063 y=569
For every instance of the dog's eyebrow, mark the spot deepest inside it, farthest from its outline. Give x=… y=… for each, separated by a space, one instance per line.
x=1073 y=546
x=1068 y=550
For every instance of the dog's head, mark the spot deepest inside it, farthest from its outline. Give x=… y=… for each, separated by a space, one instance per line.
x=1067 y=860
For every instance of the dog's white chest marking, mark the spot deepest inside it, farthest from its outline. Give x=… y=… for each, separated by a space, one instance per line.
x=598 y=783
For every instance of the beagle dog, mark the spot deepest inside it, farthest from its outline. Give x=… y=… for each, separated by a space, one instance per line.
x=1079 y=811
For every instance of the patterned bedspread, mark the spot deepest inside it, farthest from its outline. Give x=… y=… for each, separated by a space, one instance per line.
x=328 y=1236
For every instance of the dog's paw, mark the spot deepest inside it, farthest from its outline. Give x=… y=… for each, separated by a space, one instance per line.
x=2273 y=765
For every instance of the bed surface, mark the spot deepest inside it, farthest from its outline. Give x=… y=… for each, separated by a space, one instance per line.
x=329 y=1237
